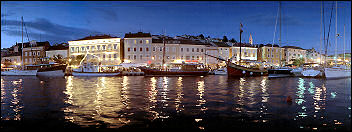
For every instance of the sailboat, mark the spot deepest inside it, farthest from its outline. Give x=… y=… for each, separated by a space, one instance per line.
x=281 y=71
x=23 y=70
x=237 y=70
x=337 y=71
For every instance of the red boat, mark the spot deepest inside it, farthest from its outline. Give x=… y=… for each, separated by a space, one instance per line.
x=240 y=71
x=186 y=70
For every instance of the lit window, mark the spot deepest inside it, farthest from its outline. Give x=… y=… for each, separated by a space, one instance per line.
x=29 y=53
x=135 y=41
x=25 y=53
x=115 y=46
x=104 y=47
x=38 y=53
x=147 y=41
x=98 y=47
x=82 y=48
x=72 y=49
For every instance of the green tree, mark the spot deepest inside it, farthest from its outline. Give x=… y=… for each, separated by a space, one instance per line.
x=298 y=62
x=76 y=60
x=225 y=39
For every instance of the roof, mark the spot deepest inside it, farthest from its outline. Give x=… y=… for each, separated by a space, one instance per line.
x=179 y=41
x=294 y=47
x=96 y=37
x=137 y=35
x=58 y=47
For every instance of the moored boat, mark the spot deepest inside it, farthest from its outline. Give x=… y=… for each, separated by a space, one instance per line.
x=337 y=72
x=53 y=70
x=280 y=72
x=96 y=70
x=240 y=71
x=185 y=70
x=220 y=71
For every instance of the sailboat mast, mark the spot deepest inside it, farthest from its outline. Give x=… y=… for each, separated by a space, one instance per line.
x=22 y=41
x=321 y=19
x=163 y=51
x=280 y=36
x=336 y=35
x=240 y=43
x=344 y=35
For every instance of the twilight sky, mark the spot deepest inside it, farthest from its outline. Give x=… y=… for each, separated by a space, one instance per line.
x=62 y=21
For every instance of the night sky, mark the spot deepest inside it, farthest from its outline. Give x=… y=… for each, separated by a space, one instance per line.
x=62 y=21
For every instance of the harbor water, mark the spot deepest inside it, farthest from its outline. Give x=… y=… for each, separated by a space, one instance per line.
x=202 y=103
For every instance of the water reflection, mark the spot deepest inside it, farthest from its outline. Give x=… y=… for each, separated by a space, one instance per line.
x=114 y=102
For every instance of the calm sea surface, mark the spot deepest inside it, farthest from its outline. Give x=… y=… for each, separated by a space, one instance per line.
x=173 y=102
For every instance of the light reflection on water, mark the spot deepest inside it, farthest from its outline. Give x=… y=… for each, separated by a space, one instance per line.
x=120 y=101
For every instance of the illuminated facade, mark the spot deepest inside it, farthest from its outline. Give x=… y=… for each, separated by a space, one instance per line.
x=33 y=52
x=313 y=56
x=271 y=54
x=293 y=52
x=104 y=49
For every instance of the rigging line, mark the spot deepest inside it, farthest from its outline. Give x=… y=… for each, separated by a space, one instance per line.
x=26 y=31
x=327 y=40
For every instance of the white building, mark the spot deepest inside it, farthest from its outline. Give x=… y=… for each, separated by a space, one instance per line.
x=104 y=49
x=293 y=52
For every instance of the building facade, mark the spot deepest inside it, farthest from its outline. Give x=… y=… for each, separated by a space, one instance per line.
x=314 y=56
x=271 y=54
x=292 y=53
x=34 y=52
x=102 y=49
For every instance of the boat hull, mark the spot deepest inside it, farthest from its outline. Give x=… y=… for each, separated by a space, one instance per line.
x=311 y=73
x=95 y=74
x=240 y=71
x=19 y=73
x=331 y=73
x=56 y=73
x=155 y=72
x=277 y=73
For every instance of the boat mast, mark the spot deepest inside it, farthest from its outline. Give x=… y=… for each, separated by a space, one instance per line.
x=344 y=35
x=280 y=36
x=162 y=65
x=240 y=43
x=22 y=42
x=336 y=35
x=321 y=17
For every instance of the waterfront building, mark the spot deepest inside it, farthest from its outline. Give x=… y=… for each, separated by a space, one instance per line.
x=248 y=52
x=313 y=56
x=137 y=47
x=272 y=54
x=34 y=51
x=56 y=50
x=103 y=49
x=292 y=53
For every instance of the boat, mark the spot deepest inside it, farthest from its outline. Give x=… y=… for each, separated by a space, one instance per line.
x=280 y=72
x=23 y=70
x=220 y=71
x=96 y=70
x=312 y=70
x=52 y=70
x=311 y=73
x=19 y=72
x=235 y=70
x=337 y=72
x=183 y=70
x=297 y=72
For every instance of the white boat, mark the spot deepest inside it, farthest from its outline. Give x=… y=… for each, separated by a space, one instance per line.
x=220 y=71
x=96 y=70
x=311 y=73
x=17 y=72
x=337 y=72
x=297 y=71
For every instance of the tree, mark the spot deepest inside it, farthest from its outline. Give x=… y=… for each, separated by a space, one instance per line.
x=225 y=39
x=298 y=62
x=59 y=59
x=76 y=60
x=201 y=36
x=233 y=40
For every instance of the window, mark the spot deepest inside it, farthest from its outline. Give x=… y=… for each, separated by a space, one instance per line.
x=187 y=50
x=140 y=57
x=72 y=50
x=25 y=53
x=134 y=49
x=29 y=53
x=109 y=55
x=92 y=48
x=77 y=48
x=197 y=57
x=192 y=49
x=128 y=49
x=147 y=49
x=115 y=46
x=25 y=60
x=147 y=41
x=129 y=57
x=181 y=49
x=140 y=49
x=134 y=57
x=135 y=41
x=87 y=48
x=201 y=50
x=141 y=41
x=103 y=56
x=98 y=47
x=167 y=49
x=161 y=49
x=33 y=53
x=38 y=53
x=82 y=48
x=197 y=49
x=104 y=47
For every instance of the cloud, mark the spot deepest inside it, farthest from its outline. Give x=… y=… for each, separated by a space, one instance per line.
x=48 y=31
x=269 y=20
x=108 y=13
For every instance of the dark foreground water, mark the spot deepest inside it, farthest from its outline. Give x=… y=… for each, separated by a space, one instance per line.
x=201 y=103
